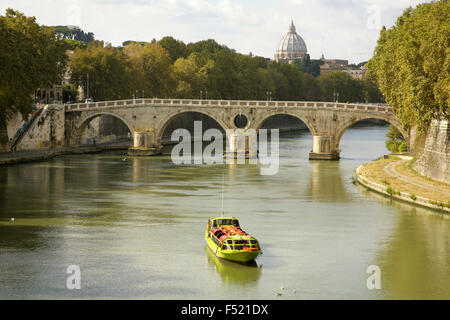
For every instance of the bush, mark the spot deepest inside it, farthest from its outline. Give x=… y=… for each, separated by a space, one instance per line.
x=413 y=196
x=402 y=147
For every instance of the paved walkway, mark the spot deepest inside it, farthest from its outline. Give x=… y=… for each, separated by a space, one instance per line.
x=392 y=171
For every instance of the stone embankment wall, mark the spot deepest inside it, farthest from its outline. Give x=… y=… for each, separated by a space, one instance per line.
x=433 y=158
x=421 y=201
x=46 y=130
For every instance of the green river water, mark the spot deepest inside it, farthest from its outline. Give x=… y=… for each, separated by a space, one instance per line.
x=135 y=228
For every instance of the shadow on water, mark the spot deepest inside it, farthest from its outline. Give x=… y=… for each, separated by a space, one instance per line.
x=233 y=272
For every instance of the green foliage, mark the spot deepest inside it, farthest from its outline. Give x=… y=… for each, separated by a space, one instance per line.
x=126 y=43
x=107 y=68
x=412 y=64
x=151 y=70
x=371 y=92
x=74 y=44
x=309 y=66
x=349 y=89
x=175 y=48
x=390 y=191
x=396 y=142
x=413 y=196
x=69 y=92
x=169 y=67
x=205 y=47
x=30 y=57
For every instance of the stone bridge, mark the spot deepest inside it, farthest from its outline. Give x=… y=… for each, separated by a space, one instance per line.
x=148 y=118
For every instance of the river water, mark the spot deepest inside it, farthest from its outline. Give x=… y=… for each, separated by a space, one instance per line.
x=135 y=228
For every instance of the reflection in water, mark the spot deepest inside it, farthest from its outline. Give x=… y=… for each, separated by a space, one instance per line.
x=136 y=228
x=419 y=239
x=237 y=273
x=326 y=182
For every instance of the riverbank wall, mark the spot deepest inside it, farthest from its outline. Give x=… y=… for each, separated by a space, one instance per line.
x=433 y=152
x=398 y=195
x=7 y=158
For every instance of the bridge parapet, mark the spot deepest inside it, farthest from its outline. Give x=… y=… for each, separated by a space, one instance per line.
x=198 y=103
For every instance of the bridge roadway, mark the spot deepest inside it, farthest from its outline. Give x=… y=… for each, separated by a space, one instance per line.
x=148 y=118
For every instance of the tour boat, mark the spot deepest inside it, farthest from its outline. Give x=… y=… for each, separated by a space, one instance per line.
x=228 y=241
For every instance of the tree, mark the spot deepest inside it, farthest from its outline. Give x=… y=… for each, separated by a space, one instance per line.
x=189 y=78
x=371 y=91
x=209 y=46
x=175 y=48
x=411 y=64
x=108 y=70
x=31 y=56
x=126 y=43
x=396 y=142
x=311 y=88
x=151 y=69
x=333 y=83
x=309 y=66
x=74 y=44
x=70 y=93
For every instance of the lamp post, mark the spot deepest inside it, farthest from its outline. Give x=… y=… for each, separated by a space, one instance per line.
x=201 y=94
x=336 y=96
x=206 y=95
x=87 y=86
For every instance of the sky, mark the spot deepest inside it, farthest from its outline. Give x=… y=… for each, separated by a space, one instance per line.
x=340 y=29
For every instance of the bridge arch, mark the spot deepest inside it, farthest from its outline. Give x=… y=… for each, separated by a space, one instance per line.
x=389 y=119
x=164 y=123
x=257 y=125
x=83 y=122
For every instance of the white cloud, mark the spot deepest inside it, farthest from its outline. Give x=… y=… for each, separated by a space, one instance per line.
x=338 y=28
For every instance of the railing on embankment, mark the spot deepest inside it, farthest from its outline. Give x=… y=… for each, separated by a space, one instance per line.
x=26 y=126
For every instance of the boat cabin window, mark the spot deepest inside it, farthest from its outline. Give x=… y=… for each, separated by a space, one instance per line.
x=240 y=244
x=226 y=222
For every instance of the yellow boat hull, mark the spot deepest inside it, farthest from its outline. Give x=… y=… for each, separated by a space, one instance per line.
x=232 y=255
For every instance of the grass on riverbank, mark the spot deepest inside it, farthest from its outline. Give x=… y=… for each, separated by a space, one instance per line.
x=375 y=172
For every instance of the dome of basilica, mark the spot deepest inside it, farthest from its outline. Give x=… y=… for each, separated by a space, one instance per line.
x=291 y=47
